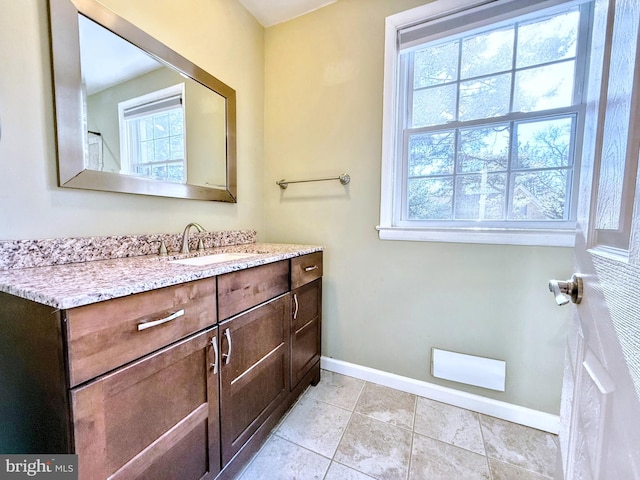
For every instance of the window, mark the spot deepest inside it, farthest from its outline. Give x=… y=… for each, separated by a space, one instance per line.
x=152 y=135
x=483 y=120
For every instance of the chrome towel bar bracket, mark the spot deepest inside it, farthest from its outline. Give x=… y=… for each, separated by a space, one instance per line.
x=344 y=180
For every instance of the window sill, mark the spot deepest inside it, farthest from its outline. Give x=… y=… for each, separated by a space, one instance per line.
x=511 y=236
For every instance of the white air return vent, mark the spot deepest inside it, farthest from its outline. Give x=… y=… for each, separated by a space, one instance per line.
x=469 y=369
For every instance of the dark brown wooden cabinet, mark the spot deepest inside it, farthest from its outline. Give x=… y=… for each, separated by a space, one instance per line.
x=179 y=383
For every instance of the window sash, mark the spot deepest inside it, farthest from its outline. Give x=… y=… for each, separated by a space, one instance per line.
x=512 y=122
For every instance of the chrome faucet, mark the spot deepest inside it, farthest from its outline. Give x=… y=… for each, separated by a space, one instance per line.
x=185 y=237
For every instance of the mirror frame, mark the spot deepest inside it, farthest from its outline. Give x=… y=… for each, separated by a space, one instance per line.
x=68 y=102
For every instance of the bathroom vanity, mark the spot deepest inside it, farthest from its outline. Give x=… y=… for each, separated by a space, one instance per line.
x=181 y=376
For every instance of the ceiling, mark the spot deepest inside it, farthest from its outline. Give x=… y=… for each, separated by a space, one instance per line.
x=271 y=12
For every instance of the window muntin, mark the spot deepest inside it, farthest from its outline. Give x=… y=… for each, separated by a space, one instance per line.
x=491 y=125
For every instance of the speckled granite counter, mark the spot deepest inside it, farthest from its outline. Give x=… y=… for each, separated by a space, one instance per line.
x=75 y=284
x=60 y=251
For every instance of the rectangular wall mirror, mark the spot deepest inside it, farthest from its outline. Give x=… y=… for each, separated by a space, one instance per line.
x=134 y=116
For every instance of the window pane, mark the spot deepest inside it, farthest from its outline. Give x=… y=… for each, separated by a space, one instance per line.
x=177 y=148
x=540 y=195
x=431 y=154
x=436 y=64
x=434 y=106
x=175 y=173
x=484 y=149
x=145 y=126
x=548 y=40
x=544 y=88
x=161 y=124
x=485 y=97
x=480 y=196
x=159 y=172
x=544 y=144
x=146 y=152
x=176 y=122
x=162 y=150
x=430 y=198
x=490 y=52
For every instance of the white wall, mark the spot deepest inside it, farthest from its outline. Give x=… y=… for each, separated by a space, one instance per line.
x=387 y=303
x=218 y=35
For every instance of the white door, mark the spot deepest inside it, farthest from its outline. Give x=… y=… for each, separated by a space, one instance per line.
x=600 y=415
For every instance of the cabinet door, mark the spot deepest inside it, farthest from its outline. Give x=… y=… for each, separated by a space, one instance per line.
x=156 y=418
x=306 y=328
x=254 y=378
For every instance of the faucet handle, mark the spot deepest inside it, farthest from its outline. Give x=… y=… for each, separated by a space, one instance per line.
x=200 y=245
x=162 y=251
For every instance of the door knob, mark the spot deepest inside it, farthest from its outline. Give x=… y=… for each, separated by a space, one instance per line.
x=567 y=290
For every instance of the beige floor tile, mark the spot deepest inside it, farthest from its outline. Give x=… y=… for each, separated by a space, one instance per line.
x=336 y=389
x=338 y=471
x=387 y=405
x=524 y=447
x=504 y=471
x=315 y=425
x=449 y=424
x=366 y=429
x=375 y=448
x=435 y=460
x=280 y=459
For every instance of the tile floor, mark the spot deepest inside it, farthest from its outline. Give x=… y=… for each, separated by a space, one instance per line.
x=349 y=429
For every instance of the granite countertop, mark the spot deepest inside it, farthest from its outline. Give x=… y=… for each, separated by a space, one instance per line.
x=75 y=284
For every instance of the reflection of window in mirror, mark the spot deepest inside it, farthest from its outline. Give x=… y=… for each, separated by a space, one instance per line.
x=152 y=135
x=94 y=151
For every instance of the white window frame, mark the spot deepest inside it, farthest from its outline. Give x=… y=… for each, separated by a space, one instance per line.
x=390 y=227
x=177 y=90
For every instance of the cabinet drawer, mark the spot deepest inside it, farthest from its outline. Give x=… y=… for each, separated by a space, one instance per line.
x=106 y=335
x=244 y=289
x=305 y=269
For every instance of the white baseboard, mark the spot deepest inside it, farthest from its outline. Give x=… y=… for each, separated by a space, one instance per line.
x=477 y=403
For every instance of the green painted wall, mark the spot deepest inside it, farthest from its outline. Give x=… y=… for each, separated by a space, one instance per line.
x=387 y=303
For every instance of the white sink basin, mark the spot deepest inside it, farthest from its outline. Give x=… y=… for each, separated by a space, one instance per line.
x=211 y=259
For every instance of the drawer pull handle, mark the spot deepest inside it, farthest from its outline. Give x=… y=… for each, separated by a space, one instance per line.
x=310 y=269
x=155 y=323
x=214 y=365
x=227 y=356
x=295 y=300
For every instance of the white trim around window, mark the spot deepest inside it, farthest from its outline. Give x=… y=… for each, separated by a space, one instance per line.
x=390 y=227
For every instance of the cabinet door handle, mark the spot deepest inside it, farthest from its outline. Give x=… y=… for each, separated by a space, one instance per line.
x=295 y=300
x=227 y=356
x=155 y=323
x=310 y=269
x=214 y=365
